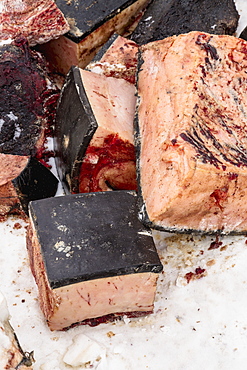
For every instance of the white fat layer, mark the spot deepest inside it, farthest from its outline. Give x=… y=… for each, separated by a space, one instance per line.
x=4 y=313
x=5 y=341
x=17 y=5
x=12 y=116
x=1 y=123
x=7 y=41
x=145 y=232
x=17 y=132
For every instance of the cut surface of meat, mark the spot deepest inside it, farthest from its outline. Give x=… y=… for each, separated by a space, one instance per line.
x=173 y=17
x=191 y=124
x=11 y=166
x=119 y=60
x=39 y=21
x=96 y=259
x=91 y=24
x=94 y=133
x=9 y=201
x=26 y=94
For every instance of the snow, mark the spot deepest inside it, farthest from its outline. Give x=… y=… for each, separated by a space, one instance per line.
x=197 y=324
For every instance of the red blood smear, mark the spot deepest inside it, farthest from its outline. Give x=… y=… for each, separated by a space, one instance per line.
x=128 y=74
x=110 y=318
x=232 y=176
x=111 y=155
x=216 y=244
x=189 y=276
x=192 y=275
x=199 y=271
x=220 y=195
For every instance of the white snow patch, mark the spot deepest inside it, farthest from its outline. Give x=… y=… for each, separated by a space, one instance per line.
x=12 y=116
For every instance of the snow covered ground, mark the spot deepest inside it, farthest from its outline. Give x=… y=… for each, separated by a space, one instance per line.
x=200 y=318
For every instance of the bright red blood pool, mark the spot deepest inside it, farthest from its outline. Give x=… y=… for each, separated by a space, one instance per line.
x=115 y=154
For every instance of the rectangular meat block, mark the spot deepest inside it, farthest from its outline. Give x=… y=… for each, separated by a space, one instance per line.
x=91 y=257
x=34 y=182
x=91 y=24
x=94 y=138
x=192 y=134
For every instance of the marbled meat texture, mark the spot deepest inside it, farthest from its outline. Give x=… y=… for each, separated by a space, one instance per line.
x=94 y=133
x=119 y=60
x=97 y=259
x=39 y=21
x=173 y=17
x=192 y=123
x=26 y=97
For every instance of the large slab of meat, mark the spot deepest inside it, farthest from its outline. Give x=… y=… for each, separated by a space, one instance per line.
x=26 y=94
x=91 y=24
x=173 y=17
x=39 y=21
x=91 y=257
x=94 y=139
x=192 y=117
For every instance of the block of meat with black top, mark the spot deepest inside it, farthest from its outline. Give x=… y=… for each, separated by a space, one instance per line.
x=173 y=17
x=35 y=181
x=94 y=141
x=117 y=58
x=38 y=21
x=91 y=24
x=91 y=257
x=191 y=133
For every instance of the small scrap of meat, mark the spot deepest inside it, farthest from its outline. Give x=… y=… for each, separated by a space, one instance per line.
x=191 y=123
x=92 y=23
x=96 y=260
x=173 y=17
x=38 y=21
x=215 y=244
x=27 y=95
x=94 y=133
x=11 y=353
x=198 y=274
x=119 y=60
